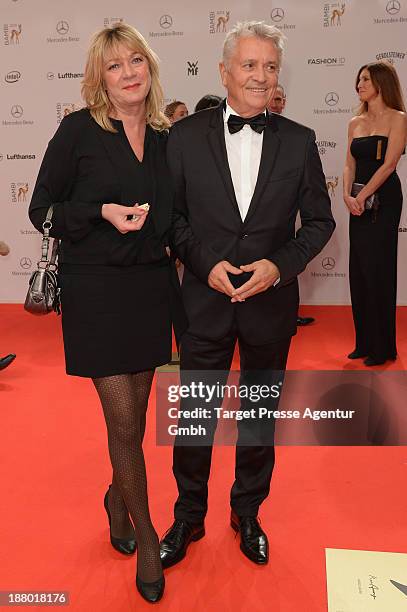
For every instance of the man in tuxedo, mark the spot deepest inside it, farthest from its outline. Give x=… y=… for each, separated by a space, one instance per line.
x=240 y=177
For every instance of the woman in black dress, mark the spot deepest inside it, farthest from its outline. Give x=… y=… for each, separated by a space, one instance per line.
x=376 y=139
x=119 y=297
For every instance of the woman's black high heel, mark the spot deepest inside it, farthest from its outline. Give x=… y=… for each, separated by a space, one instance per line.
x=122 y=545
x=151 y=591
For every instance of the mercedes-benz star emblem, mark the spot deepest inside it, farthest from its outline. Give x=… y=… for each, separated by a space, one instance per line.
x=165 y=21
x=62 y=27
x=328 y=263
x=17 y=111
x=393 y=7
x=331 y=98
x=25 y=263
x=277 y=14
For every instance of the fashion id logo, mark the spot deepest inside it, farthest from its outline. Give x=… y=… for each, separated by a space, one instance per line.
x=326 y=61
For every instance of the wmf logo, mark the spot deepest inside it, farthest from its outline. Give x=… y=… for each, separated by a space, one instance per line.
x=19 y=192
x=12 y=33
x=218 y=21
x=333 y=12
x=110 y=21
x=328 y=263
x=192 y=68
x=64 y=109
x=331 y=185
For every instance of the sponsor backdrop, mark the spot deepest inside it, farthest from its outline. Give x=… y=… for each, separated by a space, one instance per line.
x=43 y=46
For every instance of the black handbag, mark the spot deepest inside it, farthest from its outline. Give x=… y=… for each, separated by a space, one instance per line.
x=43 y=295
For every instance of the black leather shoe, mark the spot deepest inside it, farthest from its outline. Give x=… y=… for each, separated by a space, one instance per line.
x=122 y=545
x=173 y=546
x=301 y=321
x=151 y=591
x=370 y=361
x=356 y=355
x=5 y=361
x=253 y=540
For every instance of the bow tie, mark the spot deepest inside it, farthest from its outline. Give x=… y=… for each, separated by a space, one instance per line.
x=257 y=123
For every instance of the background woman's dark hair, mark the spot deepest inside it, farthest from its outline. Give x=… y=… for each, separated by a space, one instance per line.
x=208 y=101
x=384 y=79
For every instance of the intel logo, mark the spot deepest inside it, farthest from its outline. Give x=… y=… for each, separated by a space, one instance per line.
x=13 y=76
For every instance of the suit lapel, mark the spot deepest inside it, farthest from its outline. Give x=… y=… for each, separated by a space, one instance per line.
x=269 y=152
x=216 y=139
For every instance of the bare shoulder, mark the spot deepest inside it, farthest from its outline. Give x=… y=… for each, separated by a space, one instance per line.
x=354 y=123
x=398 y=118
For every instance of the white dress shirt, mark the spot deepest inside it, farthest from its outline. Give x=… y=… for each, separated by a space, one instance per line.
x=244 y=153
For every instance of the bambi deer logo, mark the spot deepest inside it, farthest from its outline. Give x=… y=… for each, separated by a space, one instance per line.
x=331 y=185
x=222 y=21
x=337 y=14
x=15 y=35
x=22 y=192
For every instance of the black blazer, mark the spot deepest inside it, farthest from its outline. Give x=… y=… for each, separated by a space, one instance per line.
x=208 y=227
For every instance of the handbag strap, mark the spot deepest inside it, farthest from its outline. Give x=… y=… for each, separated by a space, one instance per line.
x=46 y=226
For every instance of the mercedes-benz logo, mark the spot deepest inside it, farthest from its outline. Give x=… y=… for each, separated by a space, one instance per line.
x=331 y=98
x=393 y=7
x=328 y=263
x=50 y=76
x=25 y=263
x=277 y=14
x=62 y=27
x=17 y=111
x=165 y=21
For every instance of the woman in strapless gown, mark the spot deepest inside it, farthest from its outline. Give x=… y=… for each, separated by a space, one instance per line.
x=376 y=140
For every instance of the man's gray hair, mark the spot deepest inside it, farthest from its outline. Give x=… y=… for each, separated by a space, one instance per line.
x=245 y=29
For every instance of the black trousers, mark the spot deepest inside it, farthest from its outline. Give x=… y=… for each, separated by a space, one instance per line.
x=254 y=464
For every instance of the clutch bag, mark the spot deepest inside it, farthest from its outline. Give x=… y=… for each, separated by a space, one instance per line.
x=371 y=203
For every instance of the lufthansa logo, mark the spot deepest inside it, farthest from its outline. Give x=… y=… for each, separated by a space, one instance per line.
x=1 y=157
x=25 y=263
x=62 y=27
x=393 y=7
x=328 y=263
x=13 y=76
x=17 y=111
x=331 y=98
x=277 y=14
x=165 y=21
x=50 y=76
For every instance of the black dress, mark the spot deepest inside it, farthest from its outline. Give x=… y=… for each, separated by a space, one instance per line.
x=373 y=256
x=119 y=292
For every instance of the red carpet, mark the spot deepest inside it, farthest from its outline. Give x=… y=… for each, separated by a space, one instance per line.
x=55 y=469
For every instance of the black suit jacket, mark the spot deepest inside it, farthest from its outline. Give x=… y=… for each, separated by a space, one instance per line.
x=208 y=227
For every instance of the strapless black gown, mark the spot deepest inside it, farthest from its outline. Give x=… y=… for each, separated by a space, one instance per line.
x=373 y=256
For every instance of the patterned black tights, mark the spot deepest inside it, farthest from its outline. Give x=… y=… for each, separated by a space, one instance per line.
x=124 y=400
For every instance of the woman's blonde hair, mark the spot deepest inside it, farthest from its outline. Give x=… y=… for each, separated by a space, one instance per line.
x=103 y=44
x=386 y=81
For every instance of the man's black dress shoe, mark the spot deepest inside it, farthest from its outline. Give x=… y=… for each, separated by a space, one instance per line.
x=5 y=361
x=356 y=355
x=370 y=361
x=301 y=321
x=175 y=542
x=151 y=591
x=253 y=540
x=122 y=545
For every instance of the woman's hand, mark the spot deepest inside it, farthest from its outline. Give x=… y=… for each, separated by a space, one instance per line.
x=353 y=205
x=117 y=215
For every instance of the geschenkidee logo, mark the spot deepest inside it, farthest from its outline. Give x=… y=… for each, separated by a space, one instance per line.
x=326 y=61
x=62 y=28
x=218 y=21
x=333 y=13
x=166 y=23
x=13 y=76
x=110 y=21
x=12 y=33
